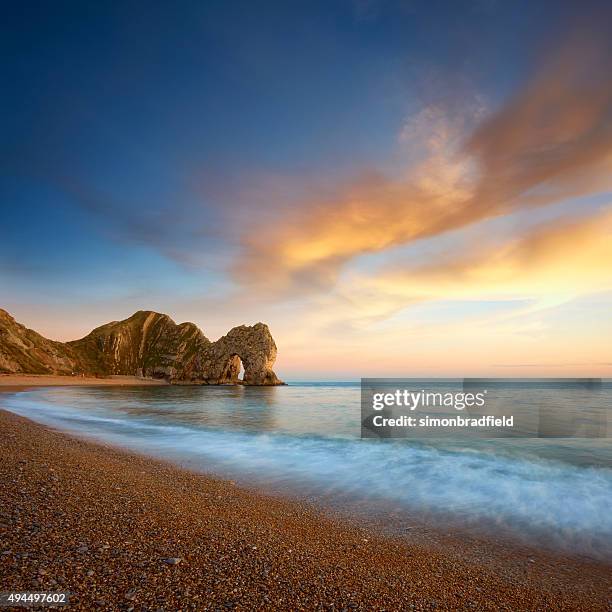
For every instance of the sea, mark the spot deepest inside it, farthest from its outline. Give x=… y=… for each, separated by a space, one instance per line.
x=305 y=439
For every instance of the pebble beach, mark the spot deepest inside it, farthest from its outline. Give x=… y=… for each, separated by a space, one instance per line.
x=125 y=532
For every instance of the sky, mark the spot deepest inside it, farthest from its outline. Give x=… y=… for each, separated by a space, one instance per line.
x=396 y=187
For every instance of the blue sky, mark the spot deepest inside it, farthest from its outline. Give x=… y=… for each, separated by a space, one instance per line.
x=178 y=157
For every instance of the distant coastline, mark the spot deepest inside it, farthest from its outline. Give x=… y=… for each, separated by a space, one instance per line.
x=58 y=380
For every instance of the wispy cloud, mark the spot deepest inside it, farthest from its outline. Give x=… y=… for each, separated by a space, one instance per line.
x=551 y=141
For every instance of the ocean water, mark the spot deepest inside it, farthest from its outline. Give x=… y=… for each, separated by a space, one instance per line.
x=304 y=437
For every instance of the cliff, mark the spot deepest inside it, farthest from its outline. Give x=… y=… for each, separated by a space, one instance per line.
x=146 y=344
x=24 y=351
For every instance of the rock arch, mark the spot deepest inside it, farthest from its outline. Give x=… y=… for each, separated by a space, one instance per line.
x=252 y=345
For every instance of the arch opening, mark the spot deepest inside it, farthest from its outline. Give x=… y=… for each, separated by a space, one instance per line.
x=234 y=370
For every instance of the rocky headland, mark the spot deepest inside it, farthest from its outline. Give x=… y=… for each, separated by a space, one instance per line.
x=147 y=344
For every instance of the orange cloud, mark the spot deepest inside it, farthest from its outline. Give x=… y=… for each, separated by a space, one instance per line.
x=551 y=263
x=551 y=142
